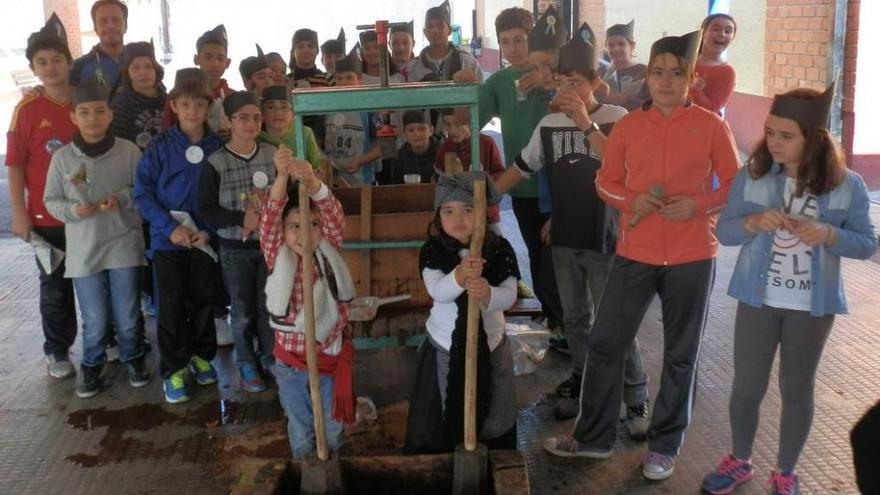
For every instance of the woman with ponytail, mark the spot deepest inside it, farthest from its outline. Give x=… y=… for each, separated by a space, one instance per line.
x=796 y=211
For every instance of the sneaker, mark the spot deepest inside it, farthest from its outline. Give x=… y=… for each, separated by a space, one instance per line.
x=784 y=484
x=637 y=421
x=224 y=332
x=250 y=379
x=567 y=446
x=567 y=408
x=523 y=291
x=656 y=466
x=571 y=387
x=88 y=382
x=175 y=387
x=59 y=367
x=138 y=375
x=729 y=474
x=147 y=305
x=203 y=370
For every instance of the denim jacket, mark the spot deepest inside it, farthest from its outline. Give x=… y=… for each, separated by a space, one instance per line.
x=846 y=207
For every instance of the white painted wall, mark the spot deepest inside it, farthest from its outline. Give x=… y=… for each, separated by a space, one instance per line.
x=868 y=80
x=746 y=53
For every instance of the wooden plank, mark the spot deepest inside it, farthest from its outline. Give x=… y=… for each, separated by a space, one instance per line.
x=366 y=226
x=390 y=226
x=389 y=199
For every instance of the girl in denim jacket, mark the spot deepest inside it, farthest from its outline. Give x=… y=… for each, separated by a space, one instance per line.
x=796 y=210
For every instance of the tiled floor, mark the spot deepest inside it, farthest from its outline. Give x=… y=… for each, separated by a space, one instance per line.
x=128 y=441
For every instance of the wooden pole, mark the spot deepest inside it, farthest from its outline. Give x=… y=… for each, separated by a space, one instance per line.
x=451 y=164
x=305 y=223
x=473 y=328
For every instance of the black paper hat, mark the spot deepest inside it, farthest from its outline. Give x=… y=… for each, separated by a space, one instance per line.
x=368 y=36
x=441 y=12
x=351 y=62
x=416 y=117
x=686 y=46
x=142 y=49
x=579 y=54
x=626 y=30
x=91 y=90
x=216 y=36
x=305 y=34
x=337 y=46
x=408 y=29
x=139 y=49
x=190 y=73
x=250 y=65
x=810 y=114
x=51 y=34
x=549 y=33
x=274 y=93
x=236 y=100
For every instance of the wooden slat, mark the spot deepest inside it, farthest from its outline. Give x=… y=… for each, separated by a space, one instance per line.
x=366 y=226
x=390 y=226
x=389 y=199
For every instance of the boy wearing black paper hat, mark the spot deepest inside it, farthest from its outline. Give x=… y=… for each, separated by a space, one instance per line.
x=89 y=188
x=331 y=51
x=303 y=54
x=138 y=103
x=278 y=124
x=166 y=191
x=519 y=95
x=40 y=126
x=402 y=40
x=256 y=73
x=231 y=190
x=568 y=144
x=624 y=79
x=349 y=137
x=440 y=60
x=418 y=153
x=211 y=57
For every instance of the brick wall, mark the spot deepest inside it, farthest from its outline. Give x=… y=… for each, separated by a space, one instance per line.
x=797 y=36
x=850 y=55
x=593 y=13
x=68 y=12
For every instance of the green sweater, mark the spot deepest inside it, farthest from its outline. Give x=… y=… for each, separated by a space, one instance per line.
x=518 y=118
x=313 y=153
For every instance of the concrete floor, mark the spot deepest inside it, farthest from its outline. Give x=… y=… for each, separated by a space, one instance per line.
x=129 y=441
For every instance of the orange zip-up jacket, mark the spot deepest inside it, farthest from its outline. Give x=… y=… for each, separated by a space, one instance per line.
x=680 y=152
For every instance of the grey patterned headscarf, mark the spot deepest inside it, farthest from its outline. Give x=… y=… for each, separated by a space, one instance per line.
x=460 y=187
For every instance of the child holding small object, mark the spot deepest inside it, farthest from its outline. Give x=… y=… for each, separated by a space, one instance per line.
x=452 y=275
x=796 y=210
x=230 y=197
x=89 y=188
x=167 y=191
x=282 y=246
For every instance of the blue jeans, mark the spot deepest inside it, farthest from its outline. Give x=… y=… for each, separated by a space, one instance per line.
x=293 y=391
x=110 y=296
x=244 y=271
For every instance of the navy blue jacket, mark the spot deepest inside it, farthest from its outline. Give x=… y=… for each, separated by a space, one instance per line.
x=166 y=180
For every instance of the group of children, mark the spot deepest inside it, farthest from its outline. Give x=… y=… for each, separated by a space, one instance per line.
x=211 y=172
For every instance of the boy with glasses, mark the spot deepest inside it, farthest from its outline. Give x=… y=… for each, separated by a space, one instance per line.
x=232 y=188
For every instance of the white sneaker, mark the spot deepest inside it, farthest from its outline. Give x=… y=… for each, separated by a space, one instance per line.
x=224 y=332
x=60 y=367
